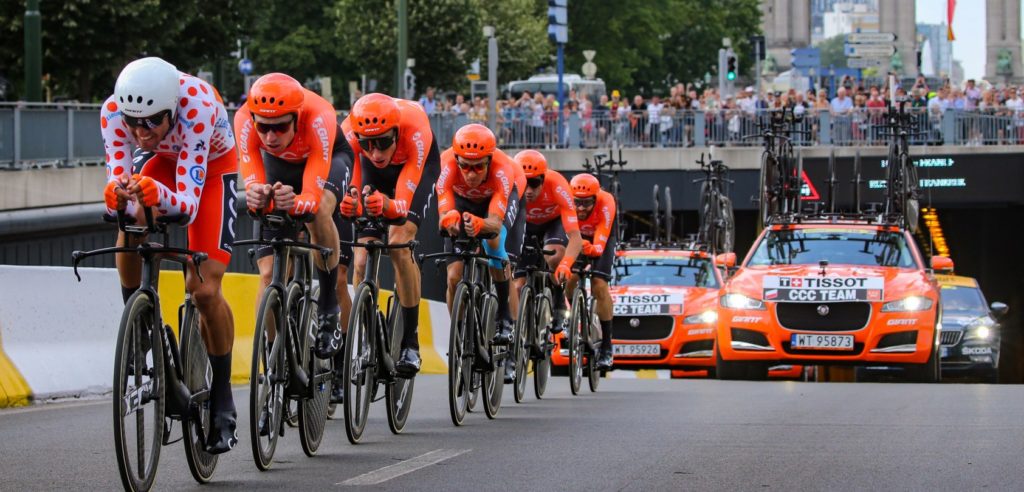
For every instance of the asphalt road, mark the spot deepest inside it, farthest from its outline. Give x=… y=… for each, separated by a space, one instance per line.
x=634 y=434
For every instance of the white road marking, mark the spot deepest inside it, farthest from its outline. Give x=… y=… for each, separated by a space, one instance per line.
x=51 y=406
x=410 y=465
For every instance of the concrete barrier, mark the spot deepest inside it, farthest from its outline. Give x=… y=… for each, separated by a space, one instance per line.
x=57 y=335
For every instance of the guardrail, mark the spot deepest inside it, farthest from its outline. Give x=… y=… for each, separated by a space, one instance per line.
x=34 y=135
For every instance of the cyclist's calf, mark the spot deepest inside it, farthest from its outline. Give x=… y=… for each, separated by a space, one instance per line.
x=215 y=314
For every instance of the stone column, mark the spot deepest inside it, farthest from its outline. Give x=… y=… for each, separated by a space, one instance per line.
x=1003 y=33
x=787 y=26
x=899 y=18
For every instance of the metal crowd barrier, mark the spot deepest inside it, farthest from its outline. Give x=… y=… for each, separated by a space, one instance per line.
x=36 y=135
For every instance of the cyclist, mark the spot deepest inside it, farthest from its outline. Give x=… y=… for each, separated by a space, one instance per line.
x=185 y=162
x=596 y=211
x=297 y=165
x=398 y=165
x=550 y=214
x=479 y=190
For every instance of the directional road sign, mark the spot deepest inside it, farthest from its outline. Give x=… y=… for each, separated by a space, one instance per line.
x=245 y=66
x=864 y=62
x=869 y=50
x=870 y=38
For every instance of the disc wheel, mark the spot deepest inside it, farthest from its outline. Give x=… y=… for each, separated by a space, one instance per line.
x=494 y=378
x=312 y=411
x=398 y=394
x=198 y=378
x=138 y=394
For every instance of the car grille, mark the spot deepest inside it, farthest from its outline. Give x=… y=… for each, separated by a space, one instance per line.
x=951 y=337
x=842 y=316
x=649 y=328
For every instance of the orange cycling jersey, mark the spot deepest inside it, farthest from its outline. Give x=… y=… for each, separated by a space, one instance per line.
x=315 y=129
x=598 y=226
x=553 y=200
x=414 y=141
x=502 y=175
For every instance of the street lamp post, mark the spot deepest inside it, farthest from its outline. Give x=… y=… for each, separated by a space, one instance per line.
x=492 y=78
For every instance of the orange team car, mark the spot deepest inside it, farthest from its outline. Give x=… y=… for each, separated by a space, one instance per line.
x=665 y=303
x=830 y=291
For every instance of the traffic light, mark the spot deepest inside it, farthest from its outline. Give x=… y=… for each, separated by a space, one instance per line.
x=730 y=67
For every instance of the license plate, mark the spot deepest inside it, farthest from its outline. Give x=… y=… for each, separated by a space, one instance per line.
x=822 y=342
x=636 y=349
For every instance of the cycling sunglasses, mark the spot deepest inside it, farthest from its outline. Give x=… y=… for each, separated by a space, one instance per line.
x=535 y=181
x=584 y=202
x=380 y=143
x=149 y=122
x=477 y=168
x=278 y=128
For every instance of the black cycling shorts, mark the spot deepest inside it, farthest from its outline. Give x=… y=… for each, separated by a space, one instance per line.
x=385 y=180
x=551 y=232
x=602 y=268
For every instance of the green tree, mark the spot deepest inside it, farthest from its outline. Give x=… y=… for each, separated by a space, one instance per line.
x=523 y=45
x=444 y=37
x=692 y=48
x=833 y=51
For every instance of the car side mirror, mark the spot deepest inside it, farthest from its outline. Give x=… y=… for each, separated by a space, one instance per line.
x=727 y=260
x=999 y=309
x=942 y=264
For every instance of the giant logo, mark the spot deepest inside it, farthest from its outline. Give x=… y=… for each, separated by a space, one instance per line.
x=321 y=133
x=417 y=139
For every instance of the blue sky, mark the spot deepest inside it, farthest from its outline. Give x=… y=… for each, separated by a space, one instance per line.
x=968 y=27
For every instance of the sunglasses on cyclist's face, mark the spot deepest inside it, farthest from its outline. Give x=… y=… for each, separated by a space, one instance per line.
x=584 y=202
x=477 y=167
x=278 y=128
x=380 y=143
x=534 y=182
x=148 y=122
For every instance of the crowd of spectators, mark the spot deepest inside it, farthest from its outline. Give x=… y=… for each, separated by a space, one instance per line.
x=855 y=114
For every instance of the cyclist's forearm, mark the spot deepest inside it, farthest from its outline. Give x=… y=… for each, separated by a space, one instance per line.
x=572 y=250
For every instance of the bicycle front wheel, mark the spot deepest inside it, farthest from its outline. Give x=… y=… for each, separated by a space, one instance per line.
x=312 y=411
x=267 y=380
x=358 y=374
x=593 y=373
x=520 y=347
x=575 y=339
x=459 y=359
x=398 y=393
x=198 y=378
x=138 y=394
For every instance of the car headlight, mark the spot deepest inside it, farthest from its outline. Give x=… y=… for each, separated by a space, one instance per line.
x=908 y=304
x=740 y=301
x=979 y=332
x=706 y=318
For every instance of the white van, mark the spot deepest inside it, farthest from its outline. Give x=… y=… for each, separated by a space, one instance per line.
x=593 y=89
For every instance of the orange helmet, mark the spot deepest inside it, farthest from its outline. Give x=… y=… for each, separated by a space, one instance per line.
x=474 y=141
x=275 y=94
x=533 y=163
x=374 y=114
x=584 y=185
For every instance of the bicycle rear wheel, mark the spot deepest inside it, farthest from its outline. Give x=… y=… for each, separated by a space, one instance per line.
x=727 y=225
x=358 y=375
x=312 y=411
x=267 y=380
x=398 y=393
x=542 y=337
x=767 y=203
x=575 y=337
x=494 y=377
x=524 y=326
x=198 y=376
x=459 y=360
x=138 y=393
x=911 y=206
x=593 y=373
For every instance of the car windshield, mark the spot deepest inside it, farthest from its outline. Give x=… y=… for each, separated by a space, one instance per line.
x=963 y=300
x=677 y=271
x=836 y=246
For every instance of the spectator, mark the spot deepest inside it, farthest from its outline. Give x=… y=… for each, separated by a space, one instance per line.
x=428 y=102
x=638 y=119
x=972 y=94
x=654 y=110
x=601 y=115
x=841 y=105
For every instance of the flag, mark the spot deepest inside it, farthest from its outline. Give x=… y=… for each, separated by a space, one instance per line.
x=950 y=8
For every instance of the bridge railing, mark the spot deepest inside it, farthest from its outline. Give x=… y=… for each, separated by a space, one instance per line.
x=66 y=135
